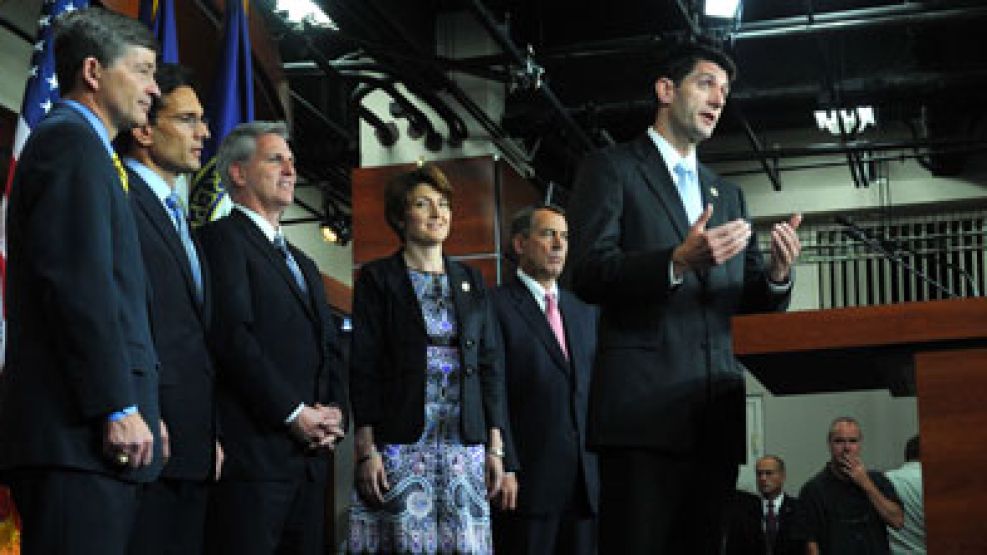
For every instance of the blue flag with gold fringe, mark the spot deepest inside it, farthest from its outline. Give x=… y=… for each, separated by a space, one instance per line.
x=159 y=15
x=230 y=104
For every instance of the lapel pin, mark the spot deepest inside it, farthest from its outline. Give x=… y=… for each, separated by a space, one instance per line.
x=713 y=192
x=466 y=287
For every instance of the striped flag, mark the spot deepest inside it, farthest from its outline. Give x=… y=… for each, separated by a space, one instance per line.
x=40 y=94
x=159 y=15
x=231 y=103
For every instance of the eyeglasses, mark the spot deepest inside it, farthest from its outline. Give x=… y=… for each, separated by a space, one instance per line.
x=189 y=120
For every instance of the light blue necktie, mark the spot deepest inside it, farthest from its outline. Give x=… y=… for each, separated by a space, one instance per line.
x=282 y=246
x=181 y=224
x=689 y=192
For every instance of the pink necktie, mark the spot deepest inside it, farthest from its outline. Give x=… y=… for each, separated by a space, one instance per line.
x=555 y=322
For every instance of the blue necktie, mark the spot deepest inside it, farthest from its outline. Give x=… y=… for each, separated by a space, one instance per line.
x=181 y=224
x=282 y=246
x=689 y=192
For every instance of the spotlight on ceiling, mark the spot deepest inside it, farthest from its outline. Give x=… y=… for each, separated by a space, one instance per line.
x=335 y=226
x=305 y=13
x=724 y=9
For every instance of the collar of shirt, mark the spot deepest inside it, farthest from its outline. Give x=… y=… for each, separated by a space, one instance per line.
x=536 y=290
x=671 y=156
x=94 y=122
x=265 y=226
x=776 y=502
x=153 y=180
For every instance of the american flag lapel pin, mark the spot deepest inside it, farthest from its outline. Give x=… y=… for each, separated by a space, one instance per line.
x=466 y=287
x=713 y=192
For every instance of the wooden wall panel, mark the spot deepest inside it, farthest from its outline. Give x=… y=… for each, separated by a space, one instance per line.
x=952 y=418
x=487 y=193
x=473 y=209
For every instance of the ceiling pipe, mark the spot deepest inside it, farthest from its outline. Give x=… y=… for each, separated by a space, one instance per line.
x=833 y=149
x=848 y=20
x=852 y=20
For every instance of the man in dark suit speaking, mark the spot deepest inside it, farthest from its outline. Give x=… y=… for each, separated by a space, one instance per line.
x=663 y=245
x=281 y=398
x=172 y=511
x=79 y=396
x=549 y=340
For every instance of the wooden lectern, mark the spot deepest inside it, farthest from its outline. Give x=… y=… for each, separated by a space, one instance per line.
x=936 y=350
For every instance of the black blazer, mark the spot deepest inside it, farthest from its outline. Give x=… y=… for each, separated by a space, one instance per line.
x=178 y=322
x=547 y=398
x=387 y=360
x=665 y=376
x=79 y=346
x=745 y=534
x=274 y=346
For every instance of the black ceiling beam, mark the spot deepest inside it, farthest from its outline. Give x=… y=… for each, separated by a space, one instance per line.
x=834 y=149
x=853 y=20
x=758 y=149
x=486 y=19
x=905 y=14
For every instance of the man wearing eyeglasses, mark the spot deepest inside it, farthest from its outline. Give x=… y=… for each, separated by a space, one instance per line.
x=171 y=516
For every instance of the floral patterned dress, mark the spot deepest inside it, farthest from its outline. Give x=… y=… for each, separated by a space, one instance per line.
x=437 y=501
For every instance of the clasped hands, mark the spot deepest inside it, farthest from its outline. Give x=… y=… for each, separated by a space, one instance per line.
x=318 y=426
x=705 y=247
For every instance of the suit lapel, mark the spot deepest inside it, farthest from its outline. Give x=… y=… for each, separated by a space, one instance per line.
x=530 y=312
x=461 y=289
x=148 y=203
x=711 y=195
x=268 y=250
x=652 y=166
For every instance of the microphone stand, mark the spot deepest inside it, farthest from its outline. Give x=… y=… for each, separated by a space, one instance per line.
x=857 y=233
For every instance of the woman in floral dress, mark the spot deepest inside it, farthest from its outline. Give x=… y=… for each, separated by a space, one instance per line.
x=426 y=388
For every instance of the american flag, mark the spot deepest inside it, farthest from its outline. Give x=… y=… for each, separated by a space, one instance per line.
x=40 y=95
x=231 y=103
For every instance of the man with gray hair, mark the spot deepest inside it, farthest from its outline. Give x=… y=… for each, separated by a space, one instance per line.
x=846 y=506
x=549 y=341
x=280 y=394
x=79 y=426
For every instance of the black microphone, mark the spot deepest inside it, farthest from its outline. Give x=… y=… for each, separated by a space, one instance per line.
x=854 y=231
x=851 y=229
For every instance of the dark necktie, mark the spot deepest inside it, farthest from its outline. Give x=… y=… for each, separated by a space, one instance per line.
x=555 y=322
x=770 y=526
x=282 y=246
x=181 y=225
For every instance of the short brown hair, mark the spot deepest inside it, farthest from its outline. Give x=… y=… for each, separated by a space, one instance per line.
x=398 y=188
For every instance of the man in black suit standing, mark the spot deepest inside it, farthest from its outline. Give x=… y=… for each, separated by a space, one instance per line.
x=769 y=523
x=663 y=245
x=549 y=340
x=172 y=511
x=280 y=395
x=79 y=425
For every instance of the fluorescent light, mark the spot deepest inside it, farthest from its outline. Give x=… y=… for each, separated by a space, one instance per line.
x=726 y=9
x=305 y=11
x=854 y=120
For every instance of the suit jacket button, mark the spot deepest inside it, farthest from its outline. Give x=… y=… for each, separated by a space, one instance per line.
x=469 y=370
